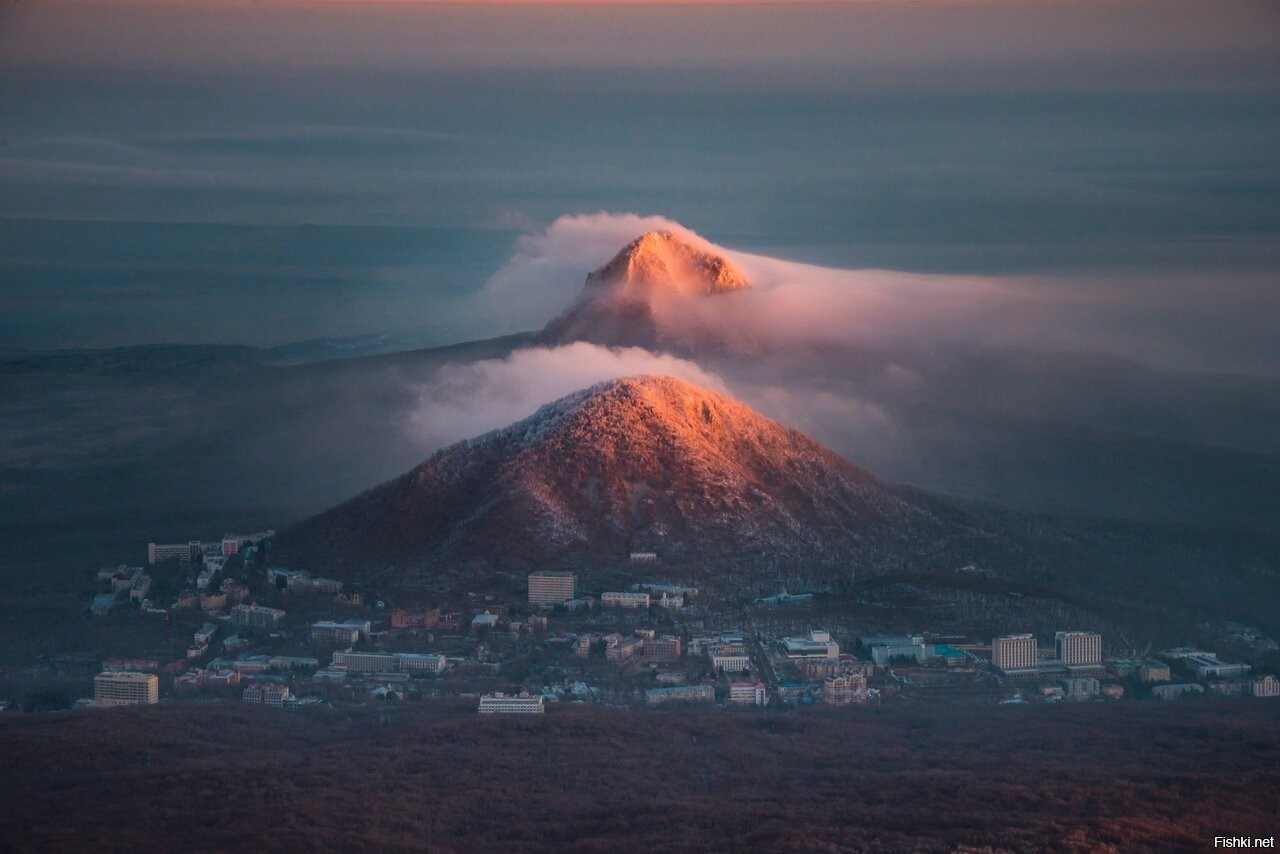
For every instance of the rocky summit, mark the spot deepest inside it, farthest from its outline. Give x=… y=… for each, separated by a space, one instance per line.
x=633 y=299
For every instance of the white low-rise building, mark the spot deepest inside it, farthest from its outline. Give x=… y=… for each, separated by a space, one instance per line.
x=410 y=662
x=257 y=616
x=1176 y=690
x=748 y=693
x=1081 y=688
x=896 y=649
x=365 y=662
x=624 y=599
x=342 y=634
x=817 y=644
x=1206 y=665
x=267 y=693
x=502 y=704
x=680 y=694
x=730 y=661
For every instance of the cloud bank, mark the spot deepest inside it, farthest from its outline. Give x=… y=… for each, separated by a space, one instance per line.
x=464 y=400
x=1175 y=321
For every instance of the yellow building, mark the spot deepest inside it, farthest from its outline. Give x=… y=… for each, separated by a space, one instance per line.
x=125 y=689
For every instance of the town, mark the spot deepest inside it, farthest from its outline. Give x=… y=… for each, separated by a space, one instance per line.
x=234 y=626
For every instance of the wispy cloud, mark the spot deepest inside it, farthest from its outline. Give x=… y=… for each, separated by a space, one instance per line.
x=463 y=400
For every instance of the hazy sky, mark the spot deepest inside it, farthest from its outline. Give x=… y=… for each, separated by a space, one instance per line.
x=267 y=172
x=1085 y=39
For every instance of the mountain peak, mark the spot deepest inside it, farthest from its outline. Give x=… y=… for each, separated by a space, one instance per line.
x=638 y=299
x=647 y=462
x=664 y=259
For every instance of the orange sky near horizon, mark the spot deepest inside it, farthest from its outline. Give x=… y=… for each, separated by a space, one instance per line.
x=570 y=2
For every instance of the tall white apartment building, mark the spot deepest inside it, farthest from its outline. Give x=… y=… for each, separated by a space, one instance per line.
x=125 y=689
x=551 y=588
x=1014 y=652
x=1077 y=648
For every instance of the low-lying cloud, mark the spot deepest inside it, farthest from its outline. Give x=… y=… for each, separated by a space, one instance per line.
x=464 y=400
x=1163 y=320
x=548 y=269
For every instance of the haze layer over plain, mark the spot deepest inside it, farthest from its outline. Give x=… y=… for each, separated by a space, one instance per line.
x=268 y=173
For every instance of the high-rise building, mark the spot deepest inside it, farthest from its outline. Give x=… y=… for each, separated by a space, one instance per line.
x=1078 y=648
x=125 y=688
x=551 y=588
x=184 y=552
x=1014 y=652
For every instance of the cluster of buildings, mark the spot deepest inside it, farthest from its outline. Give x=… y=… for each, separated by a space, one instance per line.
x=1209 y=673
x=121 y=584
x=548 y=588
x=805 y=668
x=301 y=581
x=644 y=644
x=426 y=618
x=195 y=551
x=1077 y=664
x=1074 y=668
x=1077 y=654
